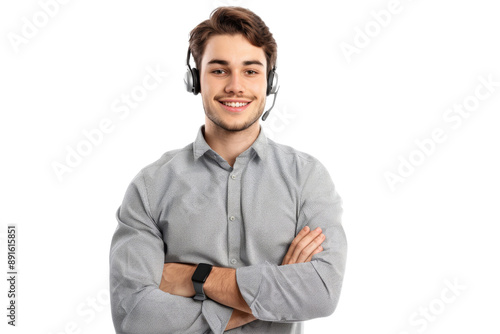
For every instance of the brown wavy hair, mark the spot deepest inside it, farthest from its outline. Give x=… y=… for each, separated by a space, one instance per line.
x=232 y=21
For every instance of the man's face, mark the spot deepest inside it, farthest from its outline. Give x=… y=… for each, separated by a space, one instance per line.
x=233 y=82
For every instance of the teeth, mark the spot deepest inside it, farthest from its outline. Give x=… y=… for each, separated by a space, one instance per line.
x=235 y=104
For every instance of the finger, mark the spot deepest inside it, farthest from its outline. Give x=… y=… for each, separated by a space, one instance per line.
x=291 y=248
x=310 y=248
x=316 y=251
x=303 y=243
x=294 y=243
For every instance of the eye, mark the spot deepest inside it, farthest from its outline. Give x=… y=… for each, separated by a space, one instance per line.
x=251 y=72
x=218 y=72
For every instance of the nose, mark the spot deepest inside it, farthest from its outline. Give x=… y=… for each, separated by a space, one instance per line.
x=235 y=84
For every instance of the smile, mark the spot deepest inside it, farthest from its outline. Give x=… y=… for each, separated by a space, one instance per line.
x=234 y=106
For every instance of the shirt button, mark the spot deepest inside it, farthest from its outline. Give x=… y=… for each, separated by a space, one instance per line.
x=233 y=261
x=233 y=176
x=231 y=218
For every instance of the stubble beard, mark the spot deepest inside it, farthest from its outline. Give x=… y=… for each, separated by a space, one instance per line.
x=212 y=115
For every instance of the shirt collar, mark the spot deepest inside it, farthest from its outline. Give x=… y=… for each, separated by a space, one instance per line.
x=200 y=146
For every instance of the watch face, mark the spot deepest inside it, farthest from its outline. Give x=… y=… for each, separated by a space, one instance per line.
x=201 y=272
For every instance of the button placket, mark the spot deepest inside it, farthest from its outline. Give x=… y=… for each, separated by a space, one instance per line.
x=234 y=214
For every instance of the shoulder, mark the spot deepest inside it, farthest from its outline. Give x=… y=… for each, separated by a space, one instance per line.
x=311 y=176
x=291 y=156
x=170 y=160
x=296 y=166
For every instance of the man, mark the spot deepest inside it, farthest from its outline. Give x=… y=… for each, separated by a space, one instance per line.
x=248 y=227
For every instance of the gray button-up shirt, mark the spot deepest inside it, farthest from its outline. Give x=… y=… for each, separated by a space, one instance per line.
x=191 y=206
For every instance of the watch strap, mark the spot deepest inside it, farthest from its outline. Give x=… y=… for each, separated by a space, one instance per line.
x=199 y=277
x=198 y=288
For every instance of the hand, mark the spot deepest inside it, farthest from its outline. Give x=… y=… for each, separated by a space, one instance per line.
x=239 y=318
x=176 y=279
x=306 y=244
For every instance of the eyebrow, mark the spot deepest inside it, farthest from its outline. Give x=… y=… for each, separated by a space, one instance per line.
x=225 y=62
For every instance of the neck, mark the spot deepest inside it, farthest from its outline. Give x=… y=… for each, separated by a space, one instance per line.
x=230 y=144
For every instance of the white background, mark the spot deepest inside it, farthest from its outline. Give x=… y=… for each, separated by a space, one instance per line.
x=358 y=114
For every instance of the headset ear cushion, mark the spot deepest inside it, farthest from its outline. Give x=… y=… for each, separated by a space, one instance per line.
x=270 y=81
x=196 y=81
x=188 y=80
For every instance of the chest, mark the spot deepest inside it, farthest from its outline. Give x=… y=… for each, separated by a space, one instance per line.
x=229 y=219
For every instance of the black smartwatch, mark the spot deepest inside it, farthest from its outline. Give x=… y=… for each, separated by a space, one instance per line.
x=199 y=277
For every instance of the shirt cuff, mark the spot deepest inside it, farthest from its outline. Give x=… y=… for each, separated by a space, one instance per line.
x=249 y=281
x=217 y=315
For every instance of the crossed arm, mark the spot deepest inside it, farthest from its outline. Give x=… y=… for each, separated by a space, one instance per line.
x=307 y=288
x=221 y=285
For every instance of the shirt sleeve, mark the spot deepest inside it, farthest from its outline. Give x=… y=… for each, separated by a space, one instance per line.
x=303 y=291
x=137 y=257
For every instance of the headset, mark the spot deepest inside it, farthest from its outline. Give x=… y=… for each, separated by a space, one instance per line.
x=192 y=82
